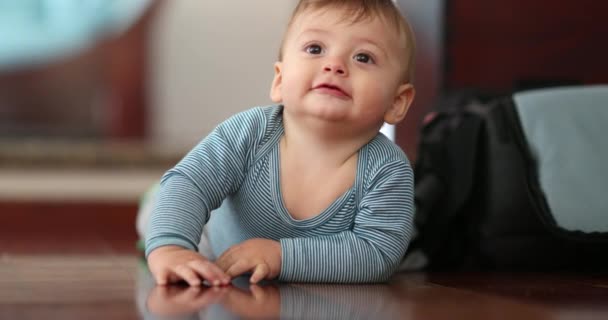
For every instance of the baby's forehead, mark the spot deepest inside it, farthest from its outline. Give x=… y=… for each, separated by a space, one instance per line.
x=341 y=15
x=325 y=19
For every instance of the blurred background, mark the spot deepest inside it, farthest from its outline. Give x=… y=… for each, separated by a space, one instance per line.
x=99 y=97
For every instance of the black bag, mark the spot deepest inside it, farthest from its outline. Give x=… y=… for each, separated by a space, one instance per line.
x=479 y=202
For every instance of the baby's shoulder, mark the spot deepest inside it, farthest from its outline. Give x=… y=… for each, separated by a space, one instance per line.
x=383 y=159
x=256 y=118
x=257 y=123
x=382 y=150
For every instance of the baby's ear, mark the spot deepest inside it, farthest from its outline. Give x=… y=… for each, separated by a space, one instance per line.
x=402 y=102
x=275 y=89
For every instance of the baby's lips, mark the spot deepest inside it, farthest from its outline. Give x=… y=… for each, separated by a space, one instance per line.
x=329 y=86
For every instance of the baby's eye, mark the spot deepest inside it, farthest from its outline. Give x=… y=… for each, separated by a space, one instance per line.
x=314 y=49
x=364 y=58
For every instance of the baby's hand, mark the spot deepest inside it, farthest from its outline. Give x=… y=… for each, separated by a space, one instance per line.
x=262 y=257
x=170 y=264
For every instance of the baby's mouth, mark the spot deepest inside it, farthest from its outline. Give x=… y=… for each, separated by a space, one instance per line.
x=331 y=90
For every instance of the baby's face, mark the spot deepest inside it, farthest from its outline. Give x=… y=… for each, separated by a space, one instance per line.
x=336 y=70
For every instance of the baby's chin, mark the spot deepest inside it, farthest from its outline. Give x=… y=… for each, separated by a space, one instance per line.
x=325 y=111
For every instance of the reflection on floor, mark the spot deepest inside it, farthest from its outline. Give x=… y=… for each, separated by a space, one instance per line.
x=79 y=261
x=60 y=279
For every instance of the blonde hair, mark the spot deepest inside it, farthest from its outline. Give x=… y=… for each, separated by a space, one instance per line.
x=360 y=10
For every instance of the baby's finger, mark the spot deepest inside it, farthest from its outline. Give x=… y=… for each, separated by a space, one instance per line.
x=230 y=257
x=173 y=278
x=161 y=277
x=188 y=275
x=238 y=268
x=261 y=271
x=210 y=272
x=226 y=260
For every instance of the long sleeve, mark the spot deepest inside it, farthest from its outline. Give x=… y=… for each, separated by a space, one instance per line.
x=372 y=250
x=200 y=182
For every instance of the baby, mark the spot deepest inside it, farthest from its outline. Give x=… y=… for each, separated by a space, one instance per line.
x=306 y=190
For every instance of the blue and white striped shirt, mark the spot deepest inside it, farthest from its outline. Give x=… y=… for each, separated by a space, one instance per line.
x=361 y=237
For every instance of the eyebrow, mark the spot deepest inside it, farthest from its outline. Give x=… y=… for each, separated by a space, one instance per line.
x=358 y=39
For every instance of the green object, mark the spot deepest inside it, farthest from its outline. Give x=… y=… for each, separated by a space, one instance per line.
x=140 y=245
x=144 y=202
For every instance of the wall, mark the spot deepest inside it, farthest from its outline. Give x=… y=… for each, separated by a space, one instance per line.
x=210 y=59
x=426 y=18
x=505 y=45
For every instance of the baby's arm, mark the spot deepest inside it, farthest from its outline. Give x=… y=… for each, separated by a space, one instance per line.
x=372 y=250
x=188 y=193
x=174 y=232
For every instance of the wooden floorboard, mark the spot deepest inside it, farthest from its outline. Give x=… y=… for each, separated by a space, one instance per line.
x=78 y=227
x=78 y=261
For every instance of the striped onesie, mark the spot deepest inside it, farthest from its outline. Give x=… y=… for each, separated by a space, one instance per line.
x=234 y=172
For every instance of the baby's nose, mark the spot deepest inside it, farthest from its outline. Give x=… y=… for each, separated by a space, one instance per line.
x=335 y=67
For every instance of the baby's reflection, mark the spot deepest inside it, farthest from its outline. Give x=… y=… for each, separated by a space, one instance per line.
x=268 y=300
x=256 y=302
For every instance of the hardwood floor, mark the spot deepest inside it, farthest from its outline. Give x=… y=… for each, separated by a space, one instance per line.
x=78 y=261
x=67 y=228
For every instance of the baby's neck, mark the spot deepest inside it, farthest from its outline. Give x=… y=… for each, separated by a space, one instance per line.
x=320 y=146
